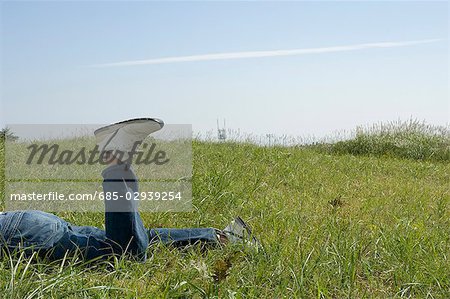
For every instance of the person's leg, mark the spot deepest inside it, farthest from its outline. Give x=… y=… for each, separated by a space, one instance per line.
x=89 y=241
x=238 y=231
x=49 y=235
x=125 y=232
x=30 y=230
x=183 y=236
x=124 y=227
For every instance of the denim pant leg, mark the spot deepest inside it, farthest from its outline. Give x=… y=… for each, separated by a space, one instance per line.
x=124 y=227
x=183 y=236
x=30 y=230
x=89 y=241
x=49 y=235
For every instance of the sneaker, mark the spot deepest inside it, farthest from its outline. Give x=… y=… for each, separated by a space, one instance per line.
x=124 y=137
x=238 y=231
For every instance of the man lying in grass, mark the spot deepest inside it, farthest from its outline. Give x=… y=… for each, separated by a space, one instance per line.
x=124 y=232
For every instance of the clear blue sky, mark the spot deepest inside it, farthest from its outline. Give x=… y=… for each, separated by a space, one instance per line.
x=48 y=48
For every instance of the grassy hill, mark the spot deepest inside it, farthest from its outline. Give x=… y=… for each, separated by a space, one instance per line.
x=334 y=224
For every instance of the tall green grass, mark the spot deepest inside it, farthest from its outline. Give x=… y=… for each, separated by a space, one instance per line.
x=333 y=226
x=403 y=139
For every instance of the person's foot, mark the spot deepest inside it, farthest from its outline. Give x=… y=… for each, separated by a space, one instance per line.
x=123 y=138
x=238 y=231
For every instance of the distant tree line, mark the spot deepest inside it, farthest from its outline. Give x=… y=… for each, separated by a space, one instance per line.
x=7 y=134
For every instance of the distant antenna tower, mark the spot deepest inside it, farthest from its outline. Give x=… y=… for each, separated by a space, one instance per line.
x=221 y=132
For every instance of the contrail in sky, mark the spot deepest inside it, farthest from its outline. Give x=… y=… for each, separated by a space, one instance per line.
x=259 y=54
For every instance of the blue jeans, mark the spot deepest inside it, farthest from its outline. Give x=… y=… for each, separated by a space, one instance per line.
x=124 y=231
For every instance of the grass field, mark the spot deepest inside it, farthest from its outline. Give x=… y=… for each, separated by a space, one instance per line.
x=335 y=223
